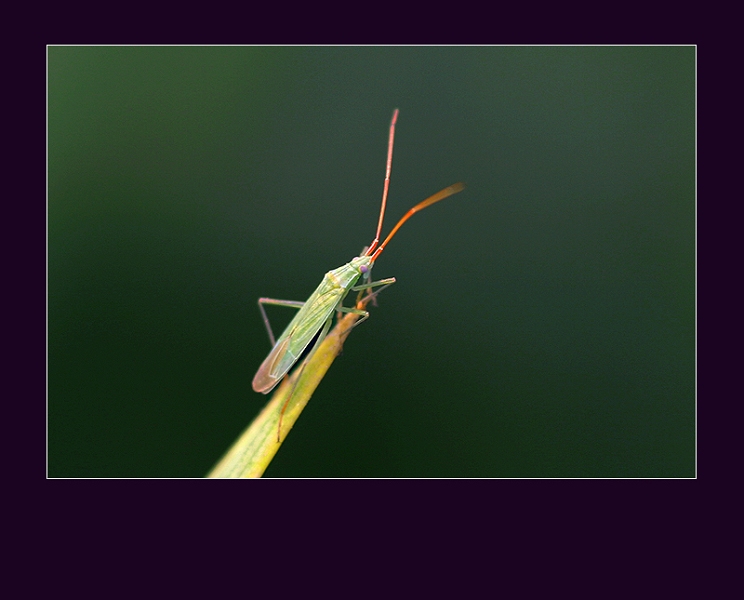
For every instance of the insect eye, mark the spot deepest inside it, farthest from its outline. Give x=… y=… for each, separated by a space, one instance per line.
x=364 y=269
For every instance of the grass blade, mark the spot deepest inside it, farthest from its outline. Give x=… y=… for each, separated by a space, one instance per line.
x=252 y=452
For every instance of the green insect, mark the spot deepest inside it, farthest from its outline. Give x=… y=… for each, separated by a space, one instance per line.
x=316 y=313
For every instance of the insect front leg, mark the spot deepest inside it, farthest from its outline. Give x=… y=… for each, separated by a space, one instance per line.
x=371 y=284
x=271 y=301
x=372 y=296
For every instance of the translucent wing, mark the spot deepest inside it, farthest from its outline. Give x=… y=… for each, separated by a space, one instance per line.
x=298 y=335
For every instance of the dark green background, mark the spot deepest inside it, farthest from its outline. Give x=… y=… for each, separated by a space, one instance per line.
x=543 y=323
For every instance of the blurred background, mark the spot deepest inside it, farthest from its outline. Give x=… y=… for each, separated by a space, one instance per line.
x=543 y=323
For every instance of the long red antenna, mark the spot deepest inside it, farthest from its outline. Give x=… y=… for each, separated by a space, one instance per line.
x=389 y=167
x=440 y=195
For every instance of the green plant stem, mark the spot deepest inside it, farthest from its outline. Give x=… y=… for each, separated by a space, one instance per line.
x=252 y=452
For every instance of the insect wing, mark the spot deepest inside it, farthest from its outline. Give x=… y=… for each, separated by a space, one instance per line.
x=297 y=336
x=265 y=379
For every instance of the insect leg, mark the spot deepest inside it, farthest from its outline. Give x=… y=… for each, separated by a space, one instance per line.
x=354 y=311
x=372 y=297
x=289 y=303
x=366 y=286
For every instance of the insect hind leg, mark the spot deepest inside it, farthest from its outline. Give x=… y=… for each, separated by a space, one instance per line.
x=272 y=302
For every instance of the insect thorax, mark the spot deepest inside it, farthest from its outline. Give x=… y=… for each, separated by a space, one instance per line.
x=346 y=276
